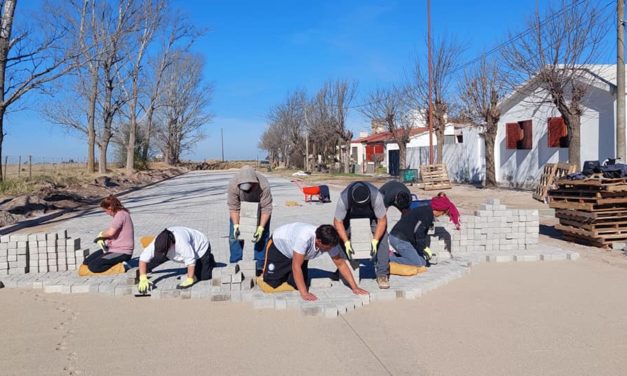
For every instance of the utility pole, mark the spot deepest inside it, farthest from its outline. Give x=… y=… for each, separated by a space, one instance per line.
x=620 y=81
x=430 y=116
x=222 y=138
x=307 y=151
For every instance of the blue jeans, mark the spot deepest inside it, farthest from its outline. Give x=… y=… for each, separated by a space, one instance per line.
x=236 y=246
x=408 y=255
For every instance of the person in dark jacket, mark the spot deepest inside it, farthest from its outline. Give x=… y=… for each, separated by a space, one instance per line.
x=409 y=236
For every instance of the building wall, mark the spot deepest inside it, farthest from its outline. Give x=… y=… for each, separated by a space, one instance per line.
x=465 y=162
x=522 y=168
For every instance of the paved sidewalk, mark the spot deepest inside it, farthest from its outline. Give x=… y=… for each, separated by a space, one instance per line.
x=198 y=200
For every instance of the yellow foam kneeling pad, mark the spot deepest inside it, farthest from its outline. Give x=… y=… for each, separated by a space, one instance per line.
x=284 y=287
x=84 y=271
x=406 y=270
x=146 y=240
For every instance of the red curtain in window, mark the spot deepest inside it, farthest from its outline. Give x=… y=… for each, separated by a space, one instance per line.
x=557 y=132
x=526 y=141
x=512 y=135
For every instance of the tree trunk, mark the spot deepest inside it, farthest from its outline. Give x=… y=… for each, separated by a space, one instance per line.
x=91 y=127
x=402 y=155
x=8 y=11
x=439 y=134
x=102 y=157
x=574 y=148
x=347 y=160
x=2 y=110
x=146 y=144
x=490 y=170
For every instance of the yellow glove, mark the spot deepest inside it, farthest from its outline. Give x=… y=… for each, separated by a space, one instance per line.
x=375 y=245
x=187 y=283
x=144 y=284
x=100 y=242
x=428 y=253
x=236 y=231
x=349 y=249
x=258 y=233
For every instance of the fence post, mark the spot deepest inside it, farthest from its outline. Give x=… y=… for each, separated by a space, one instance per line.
x=30 y=167
x=19 y=166
x=6 y=161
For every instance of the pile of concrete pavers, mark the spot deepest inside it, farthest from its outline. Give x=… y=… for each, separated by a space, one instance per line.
x=492 y=228
x=40 y=253
x=235 y=277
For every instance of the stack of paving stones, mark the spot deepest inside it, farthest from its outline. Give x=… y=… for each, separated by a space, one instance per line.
x=40 y=253
x=493 y=229
x=247 y=227
x=493 y=234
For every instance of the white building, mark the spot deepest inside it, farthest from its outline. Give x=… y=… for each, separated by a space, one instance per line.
x=520 y=163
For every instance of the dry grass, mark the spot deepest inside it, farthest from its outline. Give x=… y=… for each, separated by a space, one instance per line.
x=60 y=175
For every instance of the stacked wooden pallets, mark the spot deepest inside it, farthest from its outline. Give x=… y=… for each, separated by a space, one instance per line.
x=551 y=173
x=434 y=177
x=591 y=211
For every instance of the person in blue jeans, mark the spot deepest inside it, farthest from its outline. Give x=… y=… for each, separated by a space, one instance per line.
x=409 y=236
x=249 y=186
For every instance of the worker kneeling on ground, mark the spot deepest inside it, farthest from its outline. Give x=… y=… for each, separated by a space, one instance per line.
x=292 y=246
x=179 y=244
x=409 y=236
x=363 y=200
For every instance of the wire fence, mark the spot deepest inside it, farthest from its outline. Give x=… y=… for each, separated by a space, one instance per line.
x=27 y=166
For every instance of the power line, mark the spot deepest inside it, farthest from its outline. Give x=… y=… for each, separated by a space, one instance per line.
x=505 y=43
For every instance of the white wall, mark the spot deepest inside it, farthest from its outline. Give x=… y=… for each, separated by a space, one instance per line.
x=465 y=162
x=522 y=168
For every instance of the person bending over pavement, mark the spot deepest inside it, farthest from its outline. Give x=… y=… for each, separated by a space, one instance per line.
x=179 y=244
x=395 y=194
x=363 y=200
x=409 y=236
x=117 y=242
x=289 y=250
x=249 y=186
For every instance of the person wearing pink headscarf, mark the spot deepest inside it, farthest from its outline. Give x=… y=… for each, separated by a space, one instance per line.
x=441 y=205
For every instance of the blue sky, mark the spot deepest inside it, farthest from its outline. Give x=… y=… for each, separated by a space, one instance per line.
x=259 y=51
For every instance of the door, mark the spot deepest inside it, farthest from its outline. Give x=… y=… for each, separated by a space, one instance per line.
x=394 y=157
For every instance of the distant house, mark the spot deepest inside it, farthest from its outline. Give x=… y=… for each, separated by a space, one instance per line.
x=532 y=133
x=381 y=149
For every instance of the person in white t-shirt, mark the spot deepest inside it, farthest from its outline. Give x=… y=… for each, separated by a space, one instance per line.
x=290 y=249
x=179 y=244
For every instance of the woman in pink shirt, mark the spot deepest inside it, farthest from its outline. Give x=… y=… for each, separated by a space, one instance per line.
x=116 y=242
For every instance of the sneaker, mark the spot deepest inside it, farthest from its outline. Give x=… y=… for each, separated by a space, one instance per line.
x=383 y=282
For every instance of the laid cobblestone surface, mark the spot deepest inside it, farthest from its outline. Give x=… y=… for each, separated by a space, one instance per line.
x=198 y=200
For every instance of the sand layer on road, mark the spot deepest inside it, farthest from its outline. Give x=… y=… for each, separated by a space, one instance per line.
x=560 y=318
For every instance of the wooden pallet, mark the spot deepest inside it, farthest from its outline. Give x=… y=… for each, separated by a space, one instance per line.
x=551 y=173
x=598 y=238
x=590 y=217
x=435 y=177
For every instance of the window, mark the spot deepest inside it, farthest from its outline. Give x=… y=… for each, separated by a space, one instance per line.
x=460 y=139
x=519 y=135
x=557 y=133
x=449 y=139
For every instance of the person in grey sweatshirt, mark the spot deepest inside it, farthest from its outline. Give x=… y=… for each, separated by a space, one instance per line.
x=249 y=186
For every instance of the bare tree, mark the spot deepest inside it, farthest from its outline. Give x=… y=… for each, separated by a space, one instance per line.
x=184 y=110
x=552 y=56
x=149 y=21
x=482 y=90
x=177 y=32
x=389 y=105
x=445 y=63
x=285 y=135
x=28 y=60
x=339 y=95
x=102 y=35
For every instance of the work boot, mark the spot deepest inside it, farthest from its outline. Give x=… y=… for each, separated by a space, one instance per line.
x=383 y=282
